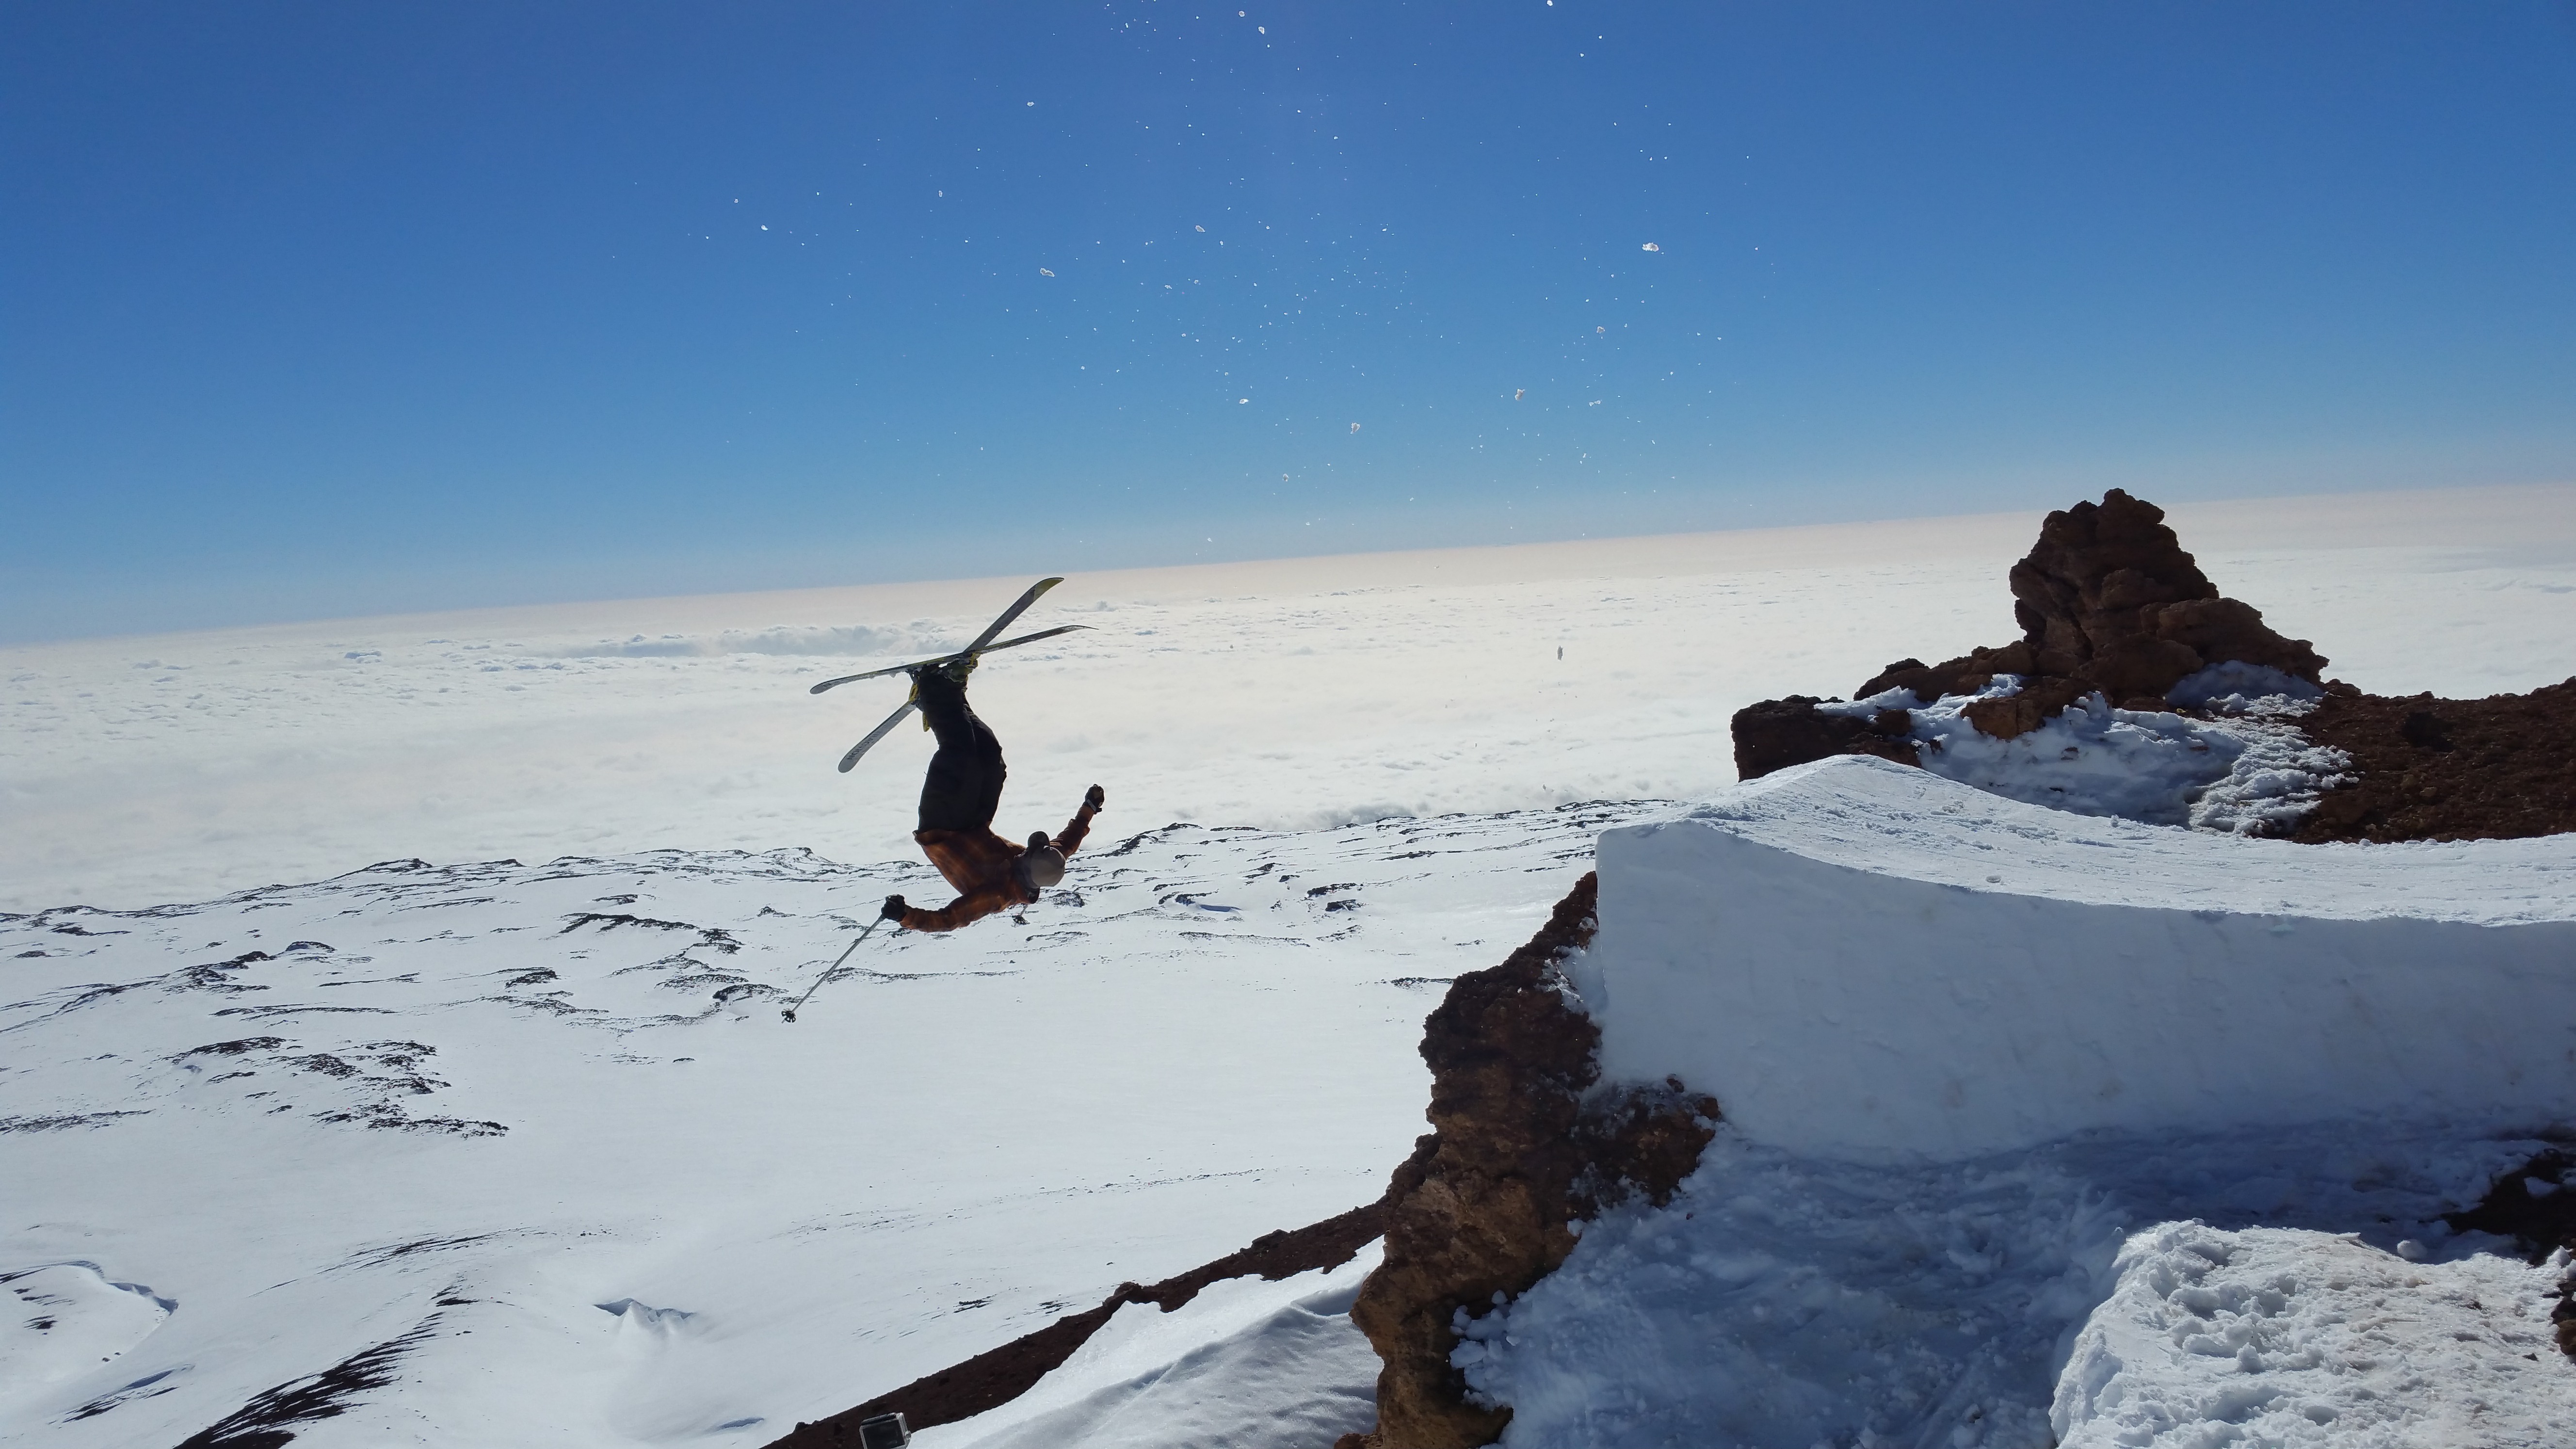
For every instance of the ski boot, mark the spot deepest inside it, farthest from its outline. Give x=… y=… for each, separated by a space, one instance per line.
x=954 y=669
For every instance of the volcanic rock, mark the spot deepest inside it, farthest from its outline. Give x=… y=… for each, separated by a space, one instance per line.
x=2107 y=601
x=1521 y=1147
x=2108 y=596
x=2447 y=769
x=1778 y=733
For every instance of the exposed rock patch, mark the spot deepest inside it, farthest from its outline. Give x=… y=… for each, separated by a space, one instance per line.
x=1778 y=733
x=1520 y=1148
x=2535 y=1205
x=2108 y=600
x=2448 y=769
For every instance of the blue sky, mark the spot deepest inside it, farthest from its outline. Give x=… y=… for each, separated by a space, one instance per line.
x=310 y=310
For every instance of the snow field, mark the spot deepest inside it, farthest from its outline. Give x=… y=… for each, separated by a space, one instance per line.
x=534 y=1138
x=1862 y=959
x=1284 y=695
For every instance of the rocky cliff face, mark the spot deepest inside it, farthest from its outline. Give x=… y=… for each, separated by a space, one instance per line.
x=1522 y=1144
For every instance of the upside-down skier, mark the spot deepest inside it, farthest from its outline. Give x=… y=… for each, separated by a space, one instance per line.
x=958 y=797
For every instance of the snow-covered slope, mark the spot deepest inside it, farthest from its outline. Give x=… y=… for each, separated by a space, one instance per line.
x=1244 y=1365
x=1863 y=959
x=2048 y=1129
x=524 y=1154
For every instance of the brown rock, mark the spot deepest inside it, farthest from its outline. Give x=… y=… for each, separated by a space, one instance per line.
x=2108 y=595
x=1515 y=1154
x=1966 y=674
x=2107 y=600
x=2447 y=769
x=1778 y=733
x=2015 y=715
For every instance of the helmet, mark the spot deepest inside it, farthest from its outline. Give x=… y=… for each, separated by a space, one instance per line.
x=1043 y=865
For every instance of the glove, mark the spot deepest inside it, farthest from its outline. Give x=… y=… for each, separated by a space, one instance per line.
x=1092 y=799
x=894 y=909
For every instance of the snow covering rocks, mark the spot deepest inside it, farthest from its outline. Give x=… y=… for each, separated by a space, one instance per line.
x=2234 y=685
x=1865 y=960
x=2272 y=1336
x=2247 y=772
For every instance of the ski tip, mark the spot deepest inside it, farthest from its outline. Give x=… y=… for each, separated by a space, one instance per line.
x=818 y=689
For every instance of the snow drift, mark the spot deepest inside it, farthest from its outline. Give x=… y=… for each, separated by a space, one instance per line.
x=1869 y=961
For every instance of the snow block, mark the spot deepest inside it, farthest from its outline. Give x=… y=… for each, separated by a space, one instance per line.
x=1867 y=961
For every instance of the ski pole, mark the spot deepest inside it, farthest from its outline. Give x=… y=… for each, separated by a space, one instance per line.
x=790 y=1013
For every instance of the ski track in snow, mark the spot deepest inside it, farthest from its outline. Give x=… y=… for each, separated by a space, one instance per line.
x=516 y=1154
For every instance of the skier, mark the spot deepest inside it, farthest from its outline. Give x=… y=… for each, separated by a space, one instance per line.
x=958 y=797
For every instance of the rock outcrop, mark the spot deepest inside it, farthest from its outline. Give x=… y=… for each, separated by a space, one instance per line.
x=2107 y=597
x=2107 y=601
x=1778 y=733
x=1522 y=1146
x=2110 y=603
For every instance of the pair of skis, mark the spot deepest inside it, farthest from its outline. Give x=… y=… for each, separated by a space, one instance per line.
x=983 y=645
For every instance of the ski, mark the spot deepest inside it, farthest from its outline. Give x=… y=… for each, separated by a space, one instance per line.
x=948 y=658
x=991 y=632
x=874 y=735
